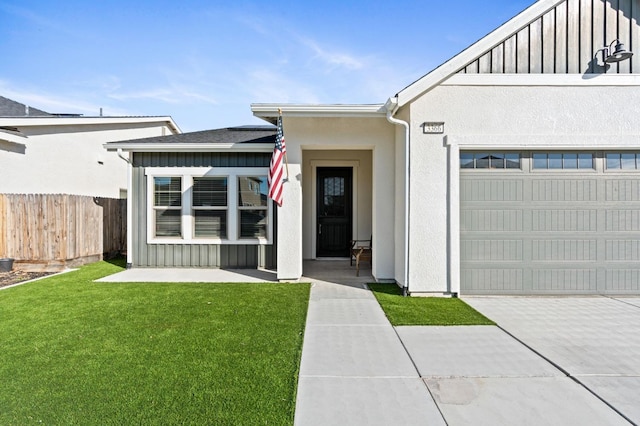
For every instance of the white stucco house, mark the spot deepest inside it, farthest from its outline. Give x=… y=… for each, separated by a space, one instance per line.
x=44 y=153
x=513 y=168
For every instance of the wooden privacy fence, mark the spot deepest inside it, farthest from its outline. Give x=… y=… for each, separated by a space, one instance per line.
x=50 y=232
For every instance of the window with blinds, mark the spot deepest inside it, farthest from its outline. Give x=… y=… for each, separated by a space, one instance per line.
x=167 y=206
x=209 y=204
x=201 y=205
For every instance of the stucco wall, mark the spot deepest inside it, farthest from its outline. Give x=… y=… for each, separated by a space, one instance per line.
x=367 y=140
x=66 y=159
x=517 y=117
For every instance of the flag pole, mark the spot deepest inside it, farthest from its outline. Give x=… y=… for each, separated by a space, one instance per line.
x=286 y=159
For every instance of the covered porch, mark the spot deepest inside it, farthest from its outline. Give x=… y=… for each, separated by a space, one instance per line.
x=342 y=185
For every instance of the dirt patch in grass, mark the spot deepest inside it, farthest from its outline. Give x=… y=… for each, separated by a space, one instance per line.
x=14 y=277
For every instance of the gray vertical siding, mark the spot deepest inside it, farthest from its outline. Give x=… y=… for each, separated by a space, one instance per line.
x=193 y=255
x=565 y=40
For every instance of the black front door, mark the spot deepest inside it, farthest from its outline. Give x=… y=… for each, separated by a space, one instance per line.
x=334 y=211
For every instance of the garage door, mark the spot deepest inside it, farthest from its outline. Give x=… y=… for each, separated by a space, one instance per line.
x=550 y=222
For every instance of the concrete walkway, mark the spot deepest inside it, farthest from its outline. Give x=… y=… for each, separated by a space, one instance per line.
x=354 y=369
x=357 y=369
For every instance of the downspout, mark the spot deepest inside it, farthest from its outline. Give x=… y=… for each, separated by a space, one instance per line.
x=129 y=209
x=392 y=108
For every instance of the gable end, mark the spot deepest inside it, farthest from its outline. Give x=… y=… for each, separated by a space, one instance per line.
x=566 y=40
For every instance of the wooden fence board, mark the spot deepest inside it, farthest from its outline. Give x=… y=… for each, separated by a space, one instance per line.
x=53 y=230
x=3 y=228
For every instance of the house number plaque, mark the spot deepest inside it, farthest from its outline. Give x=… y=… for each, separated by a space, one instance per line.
x=433 y=127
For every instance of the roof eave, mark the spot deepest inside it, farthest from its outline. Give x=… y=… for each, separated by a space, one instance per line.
x=188 y=147
x=269 y=112
x=74 y=121
x=13 y=137
x=454 y=64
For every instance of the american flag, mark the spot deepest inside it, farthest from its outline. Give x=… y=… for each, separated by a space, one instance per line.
x=276 y=169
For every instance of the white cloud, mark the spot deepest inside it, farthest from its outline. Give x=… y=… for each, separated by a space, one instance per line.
x=333 y=58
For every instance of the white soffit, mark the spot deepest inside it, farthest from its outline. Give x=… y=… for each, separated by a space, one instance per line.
x=267 y=111
x=477 y=49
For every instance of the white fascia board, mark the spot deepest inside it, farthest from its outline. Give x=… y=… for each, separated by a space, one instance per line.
x=266 y=111
x=491 y=40
x=85 y=121
x=594 y=80
x=190 y=147
x=13 y=137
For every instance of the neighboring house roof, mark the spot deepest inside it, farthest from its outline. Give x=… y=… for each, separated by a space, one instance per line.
x=18 y=123
x=10 y=108
x=14 y=116
x=229 y=137
x=12 y=140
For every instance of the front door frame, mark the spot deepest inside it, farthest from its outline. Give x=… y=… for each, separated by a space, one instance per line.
x=354 y=165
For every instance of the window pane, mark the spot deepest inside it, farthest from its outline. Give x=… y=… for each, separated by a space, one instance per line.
x=334 y=202
x=210 y=191
x=252 y=191
x=585 y=161
x=253 y=223
x=539 y=161
x=555 y=160
x=496 y=161
x=210 y=223
x=167 y=191
x=466 y=160
x=482 y=161
x=628 y=160
x=613 y=161
x=512 y=161
x=570 y=160
x=168 y=223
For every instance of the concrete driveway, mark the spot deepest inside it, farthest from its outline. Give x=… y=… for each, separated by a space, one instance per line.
x=593 y=340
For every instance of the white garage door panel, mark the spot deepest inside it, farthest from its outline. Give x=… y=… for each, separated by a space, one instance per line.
x=550 y=231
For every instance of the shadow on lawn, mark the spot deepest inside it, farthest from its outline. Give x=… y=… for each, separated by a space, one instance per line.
x=386 y=288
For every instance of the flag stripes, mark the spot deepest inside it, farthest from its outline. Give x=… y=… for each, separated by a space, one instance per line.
x=275 y=177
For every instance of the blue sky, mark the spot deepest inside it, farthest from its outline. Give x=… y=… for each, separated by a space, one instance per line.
x=205 y=62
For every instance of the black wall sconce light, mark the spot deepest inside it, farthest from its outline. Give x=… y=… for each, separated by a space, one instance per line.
x=618 y=55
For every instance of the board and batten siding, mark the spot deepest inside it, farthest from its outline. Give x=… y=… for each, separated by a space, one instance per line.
x=566 y=40
x=193 y=255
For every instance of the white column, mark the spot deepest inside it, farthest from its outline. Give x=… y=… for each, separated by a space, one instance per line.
x=290 y=221
x=383 y=211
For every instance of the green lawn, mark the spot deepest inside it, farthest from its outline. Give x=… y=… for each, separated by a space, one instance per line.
x=425 y=310
x=75 y=352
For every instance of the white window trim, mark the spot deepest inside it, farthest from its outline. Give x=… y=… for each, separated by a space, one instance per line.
x=187 y=174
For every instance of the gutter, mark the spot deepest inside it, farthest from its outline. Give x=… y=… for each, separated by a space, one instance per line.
x=392 y=107
x=129 y=209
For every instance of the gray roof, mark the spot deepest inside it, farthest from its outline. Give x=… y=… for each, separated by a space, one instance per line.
x=10 y=108
x=241 y=134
